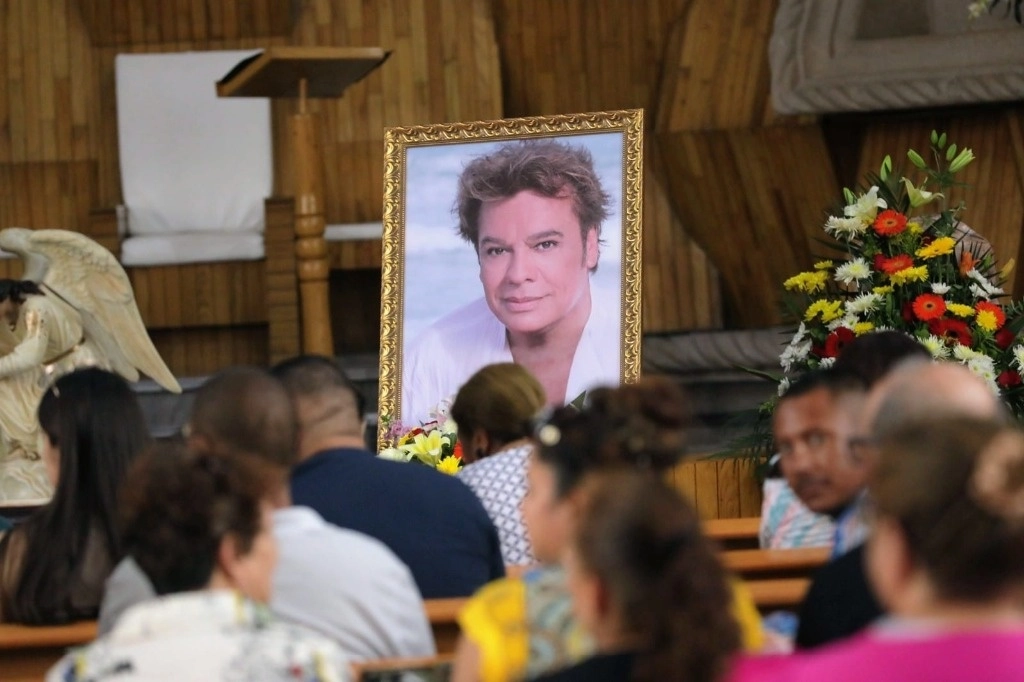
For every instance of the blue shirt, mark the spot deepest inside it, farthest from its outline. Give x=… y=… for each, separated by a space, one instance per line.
x=432 y=521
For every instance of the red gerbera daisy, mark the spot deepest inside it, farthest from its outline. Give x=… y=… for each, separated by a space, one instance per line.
x=953 y=331
x=929 y=307
x=836 y=342
x=893 y=265
x=890 y=222
x=993 y=308
x=1005 y=338
x=457 y=452
x=1008 y=379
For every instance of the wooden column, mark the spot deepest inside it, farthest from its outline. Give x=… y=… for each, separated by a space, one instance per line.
x=310 y=245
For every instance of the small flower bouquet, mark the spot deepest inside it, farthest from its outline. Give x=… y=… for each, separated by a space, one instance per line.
x=910 y=268
x=434 y=443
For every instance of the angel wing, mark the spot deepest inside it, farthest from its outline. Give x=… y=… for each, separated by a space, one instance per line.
x=89 y=278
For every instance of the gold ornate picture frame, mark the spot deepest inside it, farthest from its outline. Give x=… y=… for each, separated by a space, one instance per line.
x=441 y=318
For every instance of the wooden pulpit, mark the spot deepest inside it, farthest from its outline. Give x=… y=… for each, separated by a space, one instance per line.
x=305 y=72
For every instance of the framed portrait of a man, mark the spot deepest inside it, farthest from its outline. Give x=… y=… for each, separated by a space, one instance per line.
x=510 y=241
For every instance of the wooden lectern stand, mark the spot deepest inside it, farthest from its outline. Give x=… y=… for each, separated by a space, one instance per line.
x=305 y=72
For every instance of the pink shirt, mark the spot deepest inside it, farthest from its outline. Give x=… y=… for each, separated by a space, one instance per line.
x=899 y=652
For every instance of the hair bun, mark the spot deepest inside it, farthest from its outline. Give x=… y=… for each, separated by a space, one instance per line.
x=997 y=484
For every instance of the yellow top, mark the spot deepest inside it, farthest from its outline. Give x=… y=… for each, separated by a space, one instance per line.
x=495 y=620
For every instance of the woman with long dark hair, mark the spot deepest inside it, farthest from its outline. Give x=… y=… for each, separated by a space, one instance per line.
x=53 y=566
x=647 y=586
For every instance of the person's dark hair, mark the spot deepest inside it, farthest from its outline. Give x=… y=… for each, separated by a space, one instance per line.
x=871 y=356
x=833 y=380
x=311 y=376
x=639 y=426
x=548 y=167
x=245 y=410
x=179 y=505
x=955 y=485
x=94 y=418
x=17 y=289
x=501 y=400
x=643 y=541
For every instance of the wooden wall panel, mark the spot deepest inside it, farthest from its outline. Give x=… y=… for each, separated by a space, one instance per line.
x=745 y=182
x=201 y=295
x=134 y=22
x=47 y=194
x=204 y=350
x=719 y=489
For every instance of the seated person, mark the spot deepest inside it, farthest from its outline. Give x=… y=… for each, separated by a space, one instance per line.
x=946 y=557
x=199 y=526
x=53 y=565
x=518 y=628
x=812 y=425
x=375 y=611
x=840 y=602
x=431 y=521
x=646 y=585
x=494 y=411
x=785 y=520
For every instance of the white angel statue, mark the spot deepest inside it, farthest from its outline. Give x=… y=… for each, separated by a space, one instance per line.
x=74 y=307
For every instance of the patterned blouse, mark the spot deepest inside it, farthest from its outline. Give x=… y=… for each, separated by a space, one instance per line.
x=499 y=480
x=206 y=635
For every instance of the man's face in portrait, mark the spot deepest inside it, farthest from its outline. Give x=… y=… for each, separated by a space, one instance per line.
x=534 y=264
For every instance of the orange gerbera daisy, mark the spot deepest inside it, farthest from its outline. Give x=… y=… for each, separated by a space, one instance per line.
x=893 y=265
x=995 y=309
x=929 y=307
x=890 y=222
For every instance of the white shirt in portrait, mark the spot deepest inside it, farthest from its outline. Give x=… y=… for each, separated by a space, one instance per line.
x=453 y=348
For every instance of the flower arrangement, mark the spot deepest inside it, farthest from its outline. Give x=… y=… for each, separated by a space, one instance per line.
x=911 y=267
x=434 y=443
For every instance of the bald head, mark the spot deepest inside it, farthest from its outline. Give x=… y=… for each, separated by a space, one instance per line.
x=245 y=410
x=919 y=391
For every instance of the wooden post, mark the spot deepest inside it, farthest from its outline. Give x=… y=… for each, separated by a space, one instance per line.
x=310 y=245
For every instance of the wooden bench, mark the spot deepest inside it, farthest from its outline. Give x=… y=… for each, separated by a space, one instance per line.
x=385 y=668
x=27 y=652
x=775 y=563
x=734 y=533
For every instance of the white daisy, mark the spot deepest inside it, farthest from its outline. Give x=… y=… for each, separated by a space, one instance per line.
x=783 y=386
x=940 y=288
x=936 y=347
x=979 y=292
x=826 y=363
x=845 y=321
x=794 y=354
x=864 y=303
x=1018 y=357
x=845 y=227
x=853 y=271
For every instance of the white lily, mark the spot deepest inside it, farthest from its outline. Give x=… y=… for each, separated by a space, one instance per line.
x=866 y=207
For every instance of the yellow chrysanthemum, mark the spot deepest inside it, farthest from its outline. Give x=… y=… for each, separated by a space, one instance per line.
x=986 y=320
x=863 y=328
x=914 y=227
x=940 y=247
x=828 y=310
x=960 y=310
x=882 y=291
x=808 y=282
x=918 y=274
x=823 y=265
x=449 y=465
